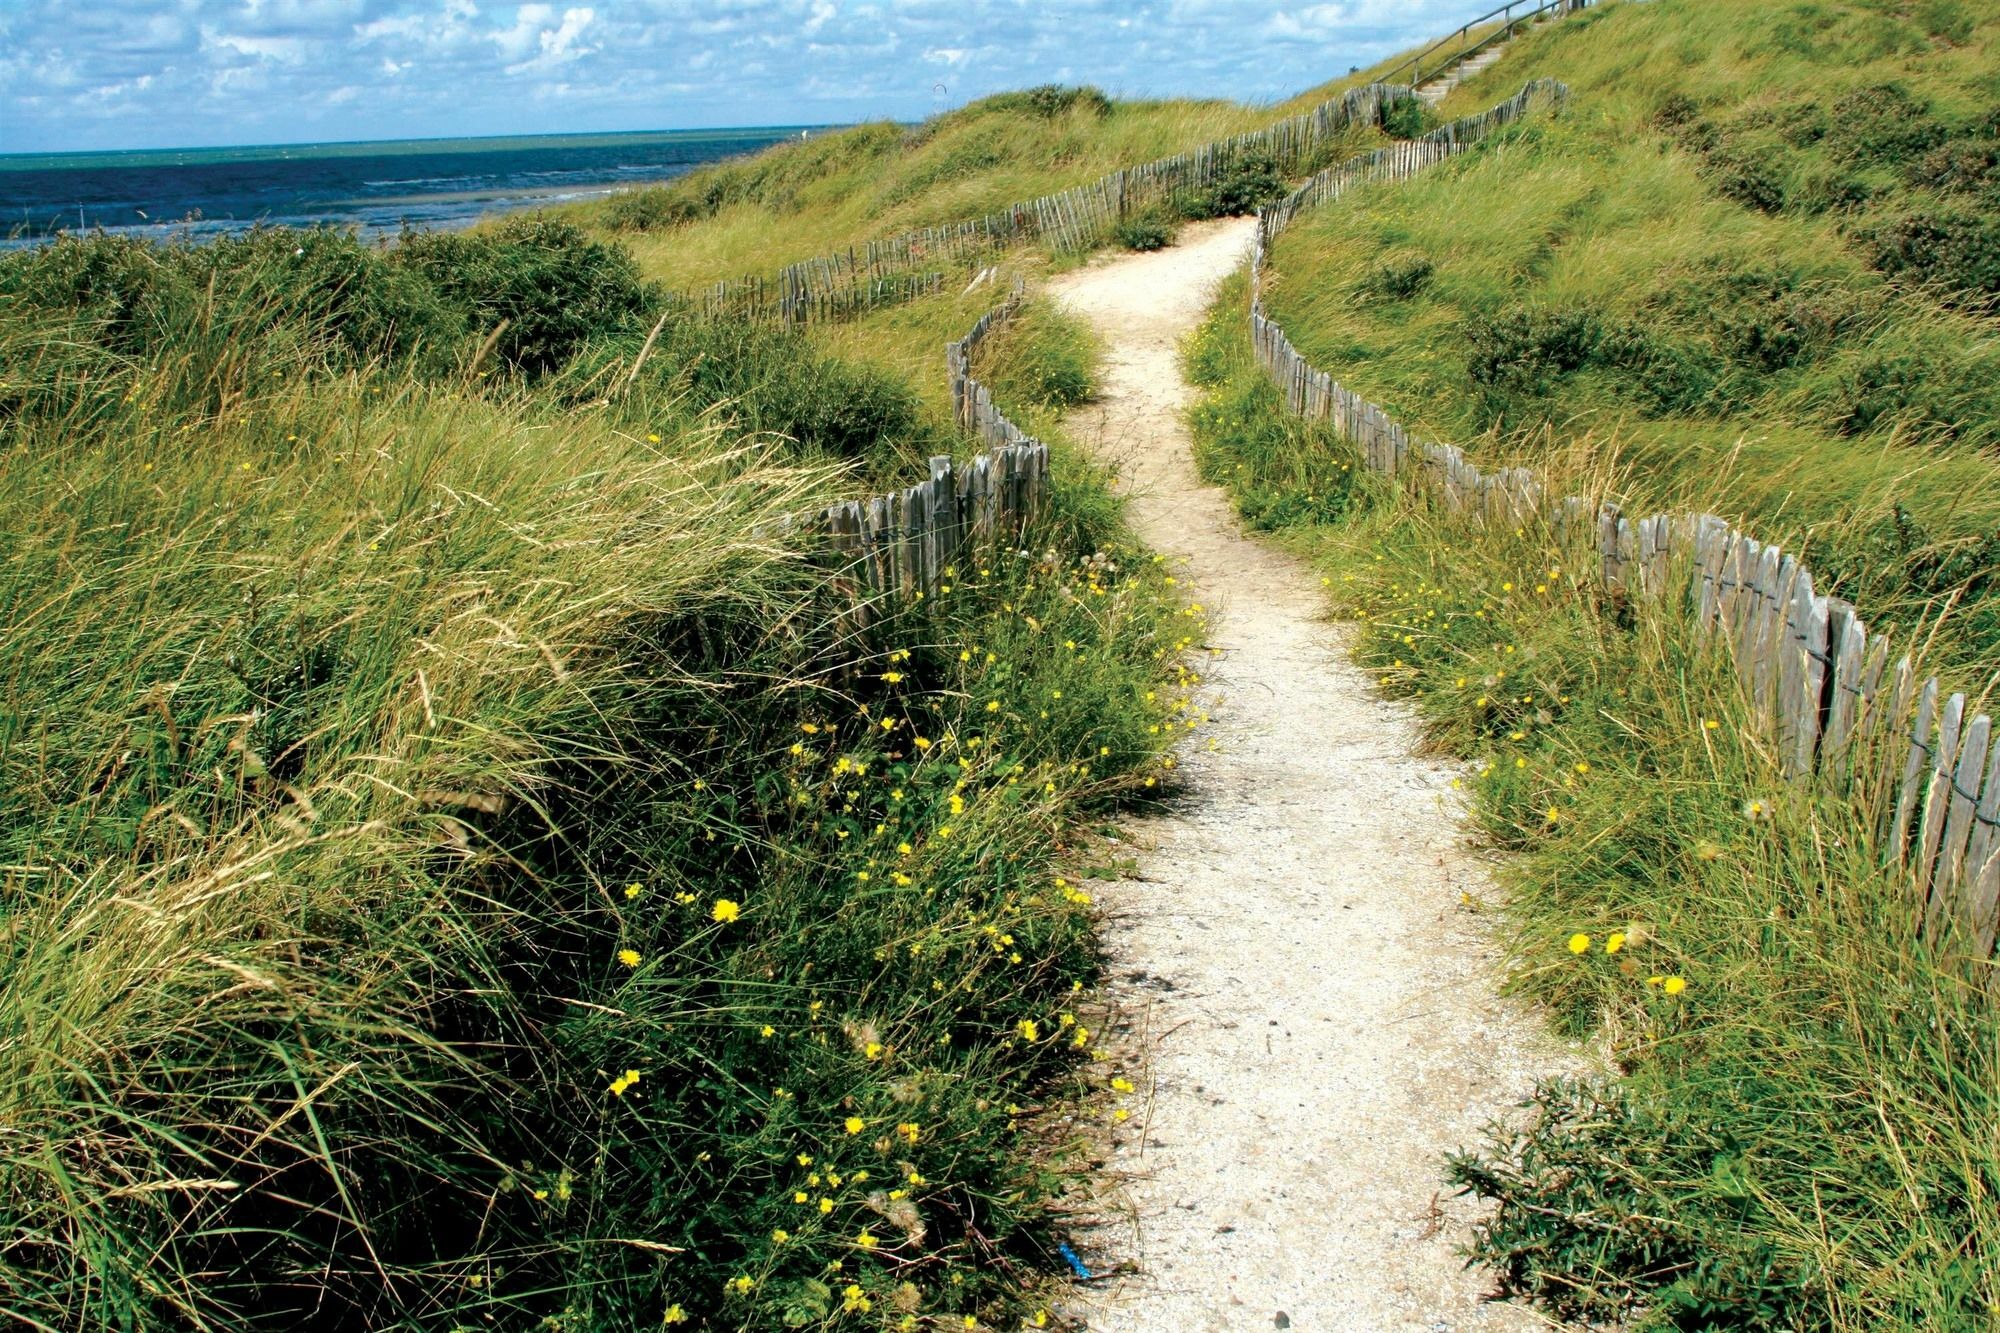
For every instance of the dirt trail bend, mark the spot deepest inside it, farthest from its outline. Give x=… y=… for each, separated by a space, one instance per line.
x=1297 y=953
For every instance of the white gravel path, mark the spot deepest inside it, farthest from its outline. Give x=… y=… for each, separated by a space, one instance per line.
x=1313 y=992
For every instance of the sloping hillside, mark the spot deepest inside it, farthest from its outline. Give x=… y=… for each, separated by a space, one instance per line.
x=1746 y=271
x=462 y=865
x=1756 y=260
x=846 y=187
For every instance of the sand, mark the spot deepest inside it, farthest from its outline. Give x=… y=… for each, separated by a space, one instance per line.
x=1301 y=959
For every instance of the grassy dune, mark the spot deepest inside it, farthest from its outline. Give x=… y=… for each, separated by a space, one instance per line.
x=1797 y=1125
x=797 y=200
x=845 y=187
x=460 y=868
x=1606 y=276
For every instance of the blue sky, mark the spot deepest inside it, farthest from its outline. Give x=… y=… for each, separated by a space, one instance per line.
x=86 y=74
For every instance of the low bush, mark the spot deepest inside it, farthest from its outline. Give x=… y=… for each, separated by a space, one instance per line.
x=1408 y=118
x=1148 y=230
x=1042 y=362
x=1959 y=166
x=1579 y=1225
x=1396 y=278
x=541 y=288
x=1748 y=175
x=1954 y=248
x=1049 y=101
x=1284 y=473
x=654 y=208
x=1245 y=183
x=1525 y=348
x=1881 y=125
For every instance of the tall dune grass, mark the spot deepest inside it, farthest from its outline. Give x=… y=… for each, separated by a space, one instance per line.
x=461 y=868
x=1795 y=1121
x=1602 y=276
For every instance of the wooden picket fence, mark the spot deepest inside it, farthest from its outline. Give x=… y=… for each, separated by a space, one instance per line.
x=1926 y=777
x=899 y=547
x=765 y=300
x=829 y=286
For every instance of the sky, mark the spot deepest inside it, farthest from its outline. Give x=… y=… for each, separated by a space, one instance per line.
x=97 y=74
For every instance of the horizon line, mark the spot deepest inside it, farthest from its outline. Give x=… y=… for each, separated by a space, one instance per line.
x=439 y=138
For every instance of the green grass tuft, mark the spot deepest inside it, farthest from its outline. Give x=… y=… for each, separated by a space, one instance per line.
x=460 y=863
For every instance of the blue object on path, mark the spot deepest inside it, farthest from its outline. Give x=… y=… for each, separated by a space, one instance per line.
x=1075 y=1264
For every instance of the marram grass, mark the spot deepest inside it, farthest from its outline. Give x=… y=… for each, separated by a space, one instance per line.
x=1796 y=1117
x=1697 y=261
x=462 y=870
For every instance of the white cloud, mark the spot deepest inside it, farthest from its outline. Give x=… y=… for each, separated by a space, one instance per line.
x=284 y=50
x=518 y=40
x=406 y=25
x=558 y=45
x=249 y=69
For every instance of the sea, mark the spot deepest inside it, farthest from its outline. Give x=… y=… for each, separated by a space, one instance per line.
x=375 y=187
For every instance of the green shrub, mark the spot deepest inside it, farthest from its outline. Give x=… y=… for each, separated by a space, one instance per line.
x=1408 y=118
x=1579 y=1227
x=1148 y=230
x=1881 y=125
x=1397 y=278
x=318 y=290
x=1245 y=183
x=1668 y=375
x=655 y=208
x=1750 y=175
x=1049 y=101
x=1953 y=247
x=544 y=287
x=1674 y=111
x=1525 y=348
x=225 y=312
x=1044 y=361
x=109 y=282
x=1946 y=20
x=1823 y=188
x=1873 y=391
x=1960 y=166
x=1283 y=472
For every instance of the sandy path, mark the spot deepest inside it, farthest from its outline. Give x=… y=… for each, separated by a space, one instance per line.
x=1317 y=1000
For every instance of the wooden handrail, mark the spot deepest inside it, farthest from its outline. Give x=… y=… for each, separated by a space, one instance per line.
x=1415 y=64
